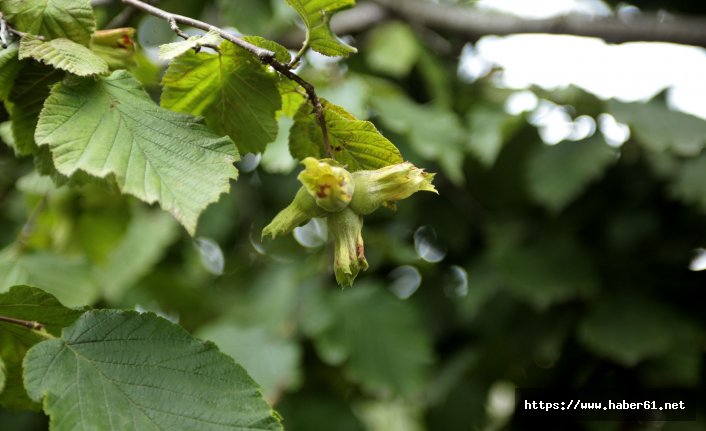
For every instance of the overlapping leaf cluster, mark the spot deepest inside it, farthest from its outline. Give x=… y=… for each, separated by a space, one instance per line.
x=105 y=125
x=96 y=136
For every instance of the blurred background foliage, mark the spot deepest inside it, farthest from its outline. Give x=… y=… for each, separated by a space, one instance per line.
x=565 y=265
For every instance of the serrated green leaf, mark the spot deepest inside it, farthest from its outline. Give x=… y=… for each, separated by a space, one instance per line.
x=25 y=102
x=558 y=174
x=661 y=129
x=63 y=54
x=115 y=46
x=9 y=66
x=71 y=19
x=117 y=370
x=143 y=244
x=67 y=278
x=112 y=127
x=31 y=304
x=316 y=15
x=273 y=361
x=233 y=91
x=281 y=53
x=356 y=144
x=395 y=359
x=169 y=51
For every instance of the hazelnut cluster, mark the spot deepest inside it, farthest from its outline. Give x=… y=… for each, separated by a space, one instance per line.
x=343 y=198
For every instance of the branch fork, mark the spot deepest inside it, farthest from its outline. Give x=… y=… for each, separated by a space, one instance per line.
x=264 y=55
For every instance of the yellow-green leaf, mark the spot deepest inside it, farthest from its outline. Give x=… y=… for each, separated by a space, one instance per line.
x=316 y=15
x=355 y=143
x=232 y=90
x=63 y=54
x=70 y=19
x=172 y=50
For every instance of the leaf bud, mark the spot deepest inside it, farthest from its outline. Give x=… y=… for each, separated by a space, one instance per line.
x=302 y=209
x=349 y=254
x=331 y=186
x=387 y=185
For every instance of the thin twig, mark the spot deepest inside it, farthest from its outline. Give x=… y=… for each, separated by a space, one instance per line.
x=169 y=17
x=29 y=324
x=311 y=94
x=297 y=58
x=473 y=22
x=175 y=28
x=264 y=55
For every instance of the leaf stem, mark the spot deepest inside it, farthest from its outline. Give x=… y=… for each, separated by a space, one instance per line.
x=311 y=95
x=35 y=327
x=297 y=58
x=264 y=55
x=29 y=324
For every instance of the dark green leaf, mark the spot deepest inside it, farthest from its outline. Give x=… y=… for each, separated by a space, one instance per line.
x=25 y=102
x=379 y=340
x=117 y=370
x=558 y=174
x=31 y=304
x=273 y=361
x=9 y=66
x=552 y=271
